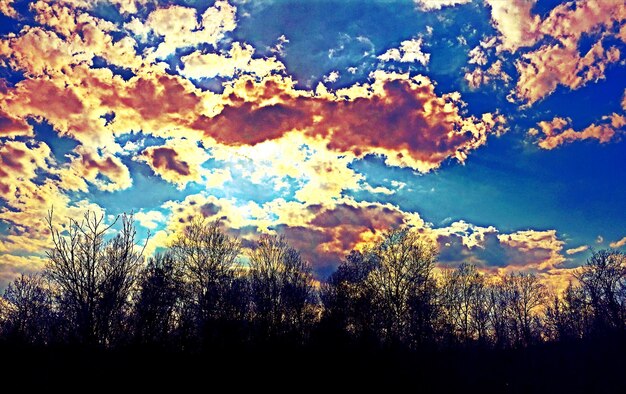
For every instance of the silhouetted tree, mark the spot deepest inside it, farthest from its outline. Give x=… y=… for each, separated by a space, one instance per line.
x=93 y=276
x=28 y=314
x=523 y=295
x=158 y=301
x=464 y=302
x=208 y=257
x=348 y=300
x=402 y=284
x=603 y=283
x=282 y=288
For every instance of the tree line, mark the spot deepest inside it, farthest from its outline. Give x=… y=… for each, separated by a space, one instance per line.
x=207 y=291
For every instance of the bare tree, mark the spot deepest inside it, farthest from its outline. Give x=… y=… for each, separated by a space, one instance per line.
x=158 y=300
x=401 y=282
x=208 y=258
x=92 y=275
x=524 y=295
x=281 y=285
x=29 y=313
x=603 y=281
x=348 y=300
x=464 y=302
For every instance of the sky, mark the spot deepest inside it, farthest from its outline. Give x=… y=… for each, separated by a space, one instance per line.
x=494 y=127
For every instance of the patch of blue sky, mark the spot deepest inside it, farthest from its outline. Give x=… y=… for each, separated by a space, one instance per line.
x=7 y=24
x=243 y=187
x=125 y=73
x=60 y=146
x=11 y=76
x=149 y=191
x=325 y=37
x=544 y=7
x=576 y=188
x=141 y=139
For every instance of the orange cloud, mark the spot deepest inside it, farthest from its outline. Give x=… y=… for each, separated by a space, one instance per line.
x=92 y=166
x=542 y=70
x=179 y=161
x=12 y=127
x=239 y=59
x=556 y=132
x=557 y=61
x=579 y=249
x=18 y=165
x=323 y=233
x=6 y=8
x=422 y=129
x=490 y=250
x=537 y=249
x=619 y=243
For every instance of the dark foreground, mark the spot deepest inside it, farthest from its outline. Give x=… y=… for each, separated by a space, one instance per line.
x=597 y=366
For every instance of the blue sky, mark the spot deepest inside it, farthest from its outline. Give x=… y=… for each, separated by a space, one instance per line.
x=484 y=124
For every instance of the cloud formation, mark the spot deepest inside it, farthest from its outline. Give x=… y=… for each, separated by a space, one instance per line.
x=618 y=243
x=550 y=46
x=179 y=26
x=218 y=113
x=558 y=131
x=428 y=5
x=422 y=128
x=410 y=51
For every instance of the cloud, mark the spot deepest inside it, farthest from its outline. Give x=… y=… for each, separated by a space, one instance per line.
x=556 y=61
x=19 y=164
x=150 y=219
x=179 y=26
x=239 y=59
x=12 y=266
x=557 y=131
x=179 y=161
x=332 y=77
x=577 y=250
x=422 y=128
x=6 y=8
x=12 y=127
x=527 y=251
x=515 y=22
x=124 y=6
x=410 y=51
x=92 y=167
x=543 y=70
x=618 y=244
x=479 y=77
x=428 y=5
x=323 y=233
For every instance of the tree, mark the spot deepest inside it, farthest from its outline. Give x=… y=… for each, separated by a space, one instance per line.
x=348 y=300
x=523 y=294
x=281 y=286
x=158 y=300
x=29 y=314
x=403 y=285
x=93 y=276
x=603 y=281
x=465 y=302
x=569 y=315
x=208 y=258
